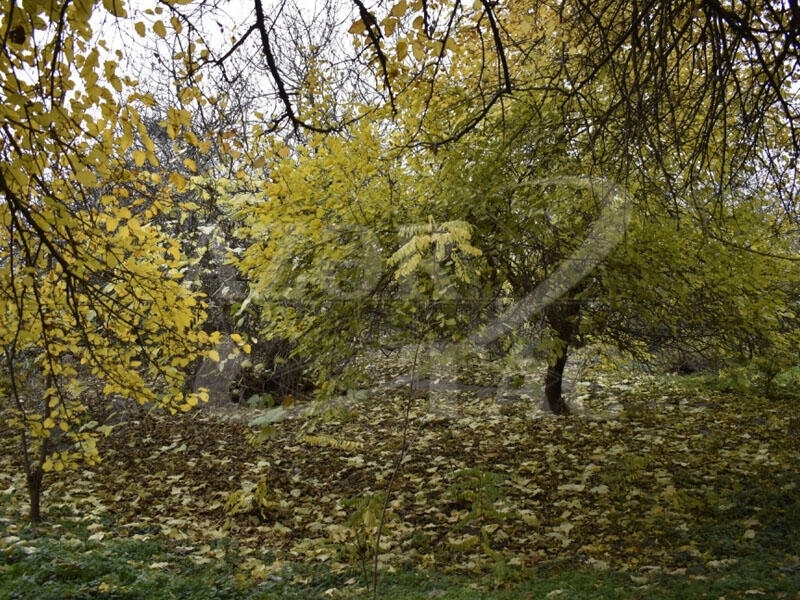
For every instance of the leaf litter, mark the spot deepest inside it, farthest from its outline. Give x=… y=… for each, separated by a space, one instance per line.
x=646 y=477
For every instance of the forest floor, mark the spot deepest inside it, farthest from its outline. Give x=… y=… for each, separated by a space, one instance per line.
x=655 y=485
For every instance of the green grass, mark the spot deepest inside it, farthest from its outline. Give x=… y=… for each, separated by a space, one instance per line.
x=72 y=568
x=61 y=563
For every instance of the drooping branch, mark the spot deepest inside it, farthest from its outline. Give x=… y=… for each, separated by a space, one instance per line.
x=264 y=30
x=488 y=7
x=374 y=34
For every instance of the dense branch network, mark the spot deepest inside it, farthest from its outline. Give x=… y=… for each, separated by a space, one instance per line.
x=680 y=72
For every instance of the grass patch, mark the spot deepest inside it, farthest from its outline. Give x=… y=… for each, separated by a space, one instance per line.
x=69 y=567
x=43 y=567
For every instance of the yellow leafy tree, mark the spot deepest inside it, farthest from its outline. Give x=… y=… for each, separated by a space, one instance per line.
x=540 y=195
x=341 y=249
x=540 y=175
x=92 y=305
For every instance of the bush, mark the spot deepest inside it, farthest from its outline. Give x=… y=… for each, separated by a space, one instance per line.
x=273 y=370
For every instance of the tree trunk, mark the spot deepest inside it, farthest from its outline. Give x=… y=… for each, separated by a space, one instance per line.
x=553 y=381
x=563 y=317
x=35 y=475
x=35 y=493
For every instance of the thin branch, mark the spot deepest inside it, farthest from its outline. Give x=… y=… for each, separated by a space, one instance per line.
x=488 y=7
x=218 y=62
x=374 y=33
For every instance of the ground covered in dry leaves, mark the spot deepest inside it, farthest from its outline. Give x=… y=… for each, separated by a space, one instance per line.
x=645 y=477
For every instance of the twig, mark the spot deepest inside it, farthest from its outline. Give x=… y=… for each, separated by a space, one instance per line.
x=398 y=464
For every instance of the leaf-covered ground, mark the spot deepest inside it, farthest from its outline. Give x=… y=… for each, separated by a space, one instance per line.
x=648 y=478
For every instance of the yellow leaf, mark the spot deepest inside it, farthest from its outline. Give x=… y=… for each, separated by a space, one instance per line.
x=191 y=138
x=399 y=9
x=402 y=49
x=358 y=27
x=139 y=157
x=115 y=7
x=126 y=141
x=83 y=9
x=160 y=29
x=418 y=50
x=213 y=355
x=111 y=260
x=140 y=29
x=86 y=177
x=190 y=164
x=178 y=180
x=187 y=94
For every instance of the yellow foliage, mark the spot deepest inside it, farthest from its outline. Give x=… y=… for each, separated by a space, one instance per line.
x=90 y=285
x=333 y=442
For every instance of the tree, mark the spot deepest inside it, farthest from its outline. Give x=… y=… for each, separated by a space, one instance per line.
x=707 y=169
x=597 y=262
x=91 y=300
x=542 y=187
